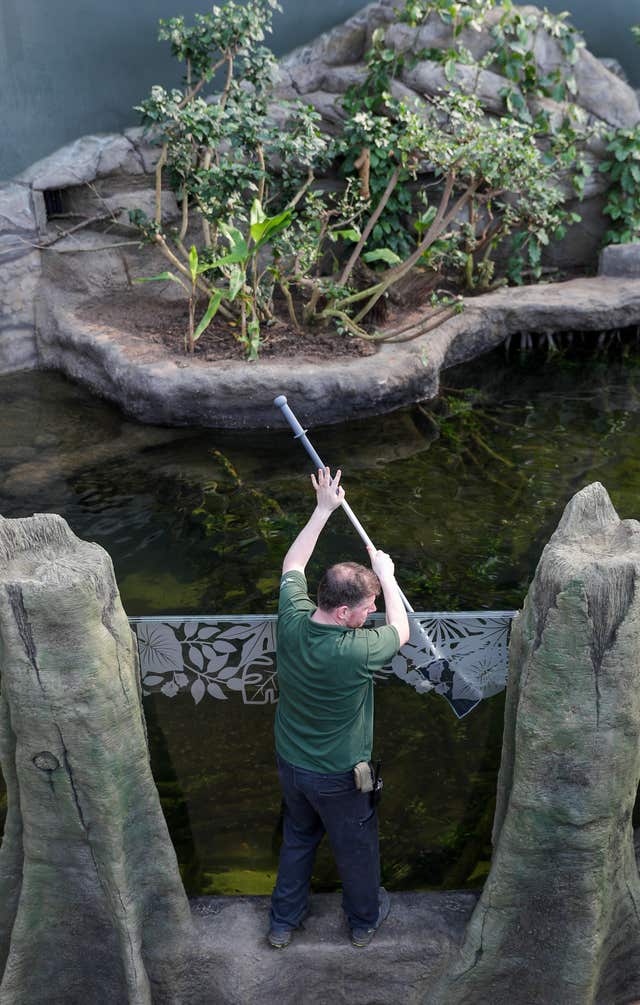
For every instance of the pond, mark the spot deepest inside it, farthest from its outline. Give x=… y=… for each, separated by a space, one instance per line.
x=464 y=493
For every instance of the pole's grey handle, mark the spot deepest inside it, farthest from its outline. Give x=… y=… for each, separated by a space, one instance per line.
x=301 y=435
x=298 y=432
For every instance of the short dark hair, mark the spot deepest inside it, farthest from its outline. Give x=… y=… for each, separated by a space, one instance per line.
x=346 y=583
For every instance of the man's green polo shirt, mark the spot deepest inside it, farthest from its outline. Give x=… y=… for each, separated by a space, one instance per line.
x=324 y=719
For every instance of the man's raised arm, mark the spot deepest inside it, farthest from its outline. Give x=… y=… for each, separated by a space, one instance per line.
x=395 y=612
x=329 y=496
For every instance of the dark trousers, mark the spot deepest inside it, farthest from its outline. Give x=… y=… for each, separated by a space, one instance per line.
x=315 y=803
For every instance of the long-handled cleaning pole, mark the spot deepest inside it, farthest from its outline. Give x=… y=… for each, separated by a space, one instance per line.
x=301 y=435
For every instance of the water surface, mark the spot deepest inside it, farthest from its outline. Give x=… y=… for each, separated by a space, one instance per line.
x=464 y=493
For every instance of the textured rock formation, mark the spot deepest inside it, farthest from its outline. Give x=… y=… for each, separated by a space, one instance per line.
x=92 y=908
x=137 y=375
x=600 y=92
x=321 y=72
x=559 y=916
x=22 y=220
x=84 y=160
x=620 y=260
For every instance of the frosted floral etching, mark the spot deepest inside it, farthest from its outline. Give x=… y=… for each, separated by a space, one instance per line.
x=474 y=647
x=209 y=656
x=231 y=656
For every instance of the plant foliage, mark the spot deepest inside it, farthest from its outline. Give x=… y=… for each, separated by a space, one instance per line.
x=436 y=186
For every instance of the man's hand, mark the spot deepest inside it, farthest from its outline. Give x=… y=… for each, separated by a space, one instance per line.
x=395 y=613
x=381 y=563
x=329 y=496
x=329 y=493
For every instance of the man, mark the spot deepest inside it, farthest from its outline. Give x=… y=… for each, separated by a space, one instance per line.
x=324 y=723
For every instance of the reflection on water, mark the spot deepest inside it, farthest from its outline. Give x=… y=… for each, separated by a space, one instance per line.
x=464 y=493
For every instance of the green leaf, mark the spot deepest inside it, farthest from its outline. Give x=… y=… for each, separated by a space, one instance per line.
x=252 y=342
x=450 y=69
x=257 y=213
x=269 y=227
x=233 y=258
x=162 y=276
x=193 y=263
x=236 y=281
x=209 y=314
x=350 y=234
x=382 y=255
x=235 y=238
x=425 y=220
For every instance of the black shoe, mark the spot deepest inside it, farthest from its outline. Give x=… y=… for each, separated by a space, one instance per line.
x=279 y=937
x=361 y=937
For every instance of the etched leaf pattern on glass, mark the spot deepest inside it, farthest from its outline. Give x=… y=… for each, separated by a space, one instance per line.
x=224 y=657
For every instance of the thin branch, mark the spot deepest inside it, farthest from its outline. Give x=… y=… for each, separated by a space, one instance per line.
x=354 y=298
x=290 y=306
x=299 y=194
x=103 y=247
x=263 y=170
x=203 y=80
x=441 y=222
x=492 y=453
x=433 y=321
x=309 y=311
x=345 y=319
x=206 y=226
x=373 y=219
x=162 y=160
x=363 y=167
x=108 y=208
x=72 y=230
x=185 y=214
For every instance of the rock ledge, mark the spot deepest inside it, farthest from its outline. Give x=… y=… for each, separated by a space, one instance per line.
x=162 y=391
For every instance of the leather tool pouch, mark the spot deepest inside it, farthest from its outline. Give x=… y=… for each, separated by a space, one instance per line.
x=363 y=776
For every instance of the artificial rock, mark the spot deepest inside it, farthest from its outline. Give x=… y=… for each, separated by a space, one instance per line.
x=22 y=220
x=620 y=260
x=559 y=916
x=333 y=62
x=92 y=906
x=83 y=161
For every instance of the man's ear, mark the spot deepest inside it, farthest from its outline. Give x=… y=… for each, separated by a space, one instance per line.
x=342 y=612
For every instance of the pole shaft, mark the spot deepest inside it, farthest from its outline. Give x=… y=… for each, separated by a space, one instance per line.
x=301 y=435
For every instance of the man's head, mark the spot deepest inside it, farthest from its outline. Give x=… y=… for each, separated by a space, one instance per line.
x=348 y=591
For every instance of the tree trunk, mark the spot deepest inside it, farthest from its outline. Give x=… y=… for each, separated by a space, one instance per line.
x=559 y=916
x=92 y=908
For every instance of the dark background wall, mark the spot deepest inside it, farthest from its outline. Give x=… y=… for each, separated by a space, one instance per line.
x=70 y=67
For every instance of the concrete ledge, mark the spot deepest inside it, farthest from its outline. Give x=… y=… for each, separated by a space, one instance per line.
x=148 y=386
x=232 y=963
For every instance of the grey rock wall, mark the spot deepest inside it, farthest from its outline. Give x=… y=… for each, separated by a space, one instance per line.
x=22 y=222
x=321 y=72
x=620 y=260
x=559 y=916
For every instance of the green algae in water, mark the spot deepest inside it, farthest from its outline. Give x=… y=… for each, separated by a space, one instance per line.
x=464 y=493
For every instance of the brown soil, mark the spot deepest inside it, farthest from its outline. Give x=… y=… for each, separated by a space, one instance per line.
x=162 y=324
